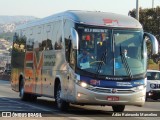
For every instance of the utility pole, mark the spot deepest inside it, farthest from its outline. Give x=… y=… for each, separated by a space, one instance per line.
x=152 y=3
x=137 y=10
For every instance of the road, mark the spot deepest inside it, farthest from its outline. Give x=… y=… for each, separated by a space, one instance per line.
x=45 y=108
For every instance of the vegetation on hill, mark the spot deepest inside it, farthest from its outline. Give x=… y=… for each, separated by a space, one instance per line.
x=7 y=36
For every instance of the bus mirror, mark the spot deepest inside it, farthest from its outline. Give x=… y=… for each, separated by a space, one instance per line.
x=74 y=36
x=153 y=41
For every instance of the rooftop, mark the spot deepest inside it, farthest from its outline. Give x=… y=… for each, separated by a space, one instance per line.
x=91 y=18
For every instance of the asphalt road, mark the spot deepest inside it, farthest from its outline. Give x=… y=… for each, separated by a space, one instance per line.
x=44 y=108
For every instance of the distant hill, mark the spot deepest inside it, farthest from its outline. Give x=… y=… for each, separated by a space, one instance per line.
x=15 y=19
x=9 y=23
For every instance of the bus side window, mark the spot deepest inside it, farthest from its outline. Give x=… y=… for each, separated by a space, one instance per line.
x=72 y=56
x=67 y=48
x=58 y=45
x=46 y=45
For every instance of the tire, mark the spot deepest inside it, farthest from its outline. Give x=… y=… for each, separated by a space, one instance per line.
x=61 y=104
x=23 y=96
x=146 y=98
x=118 y=108
x=155 y=98
x=32 y=98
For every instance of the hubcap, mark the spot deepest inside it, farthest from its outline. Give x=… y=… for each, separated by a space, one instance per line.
x=22 y=91
x=58 y=98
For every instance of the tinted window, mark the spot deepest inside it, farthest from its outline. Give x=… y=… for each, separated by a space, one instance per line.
x=153 y=76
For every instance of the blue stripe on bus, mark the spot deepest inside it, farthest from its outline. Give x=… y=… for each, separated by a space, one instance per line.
x=112 y=83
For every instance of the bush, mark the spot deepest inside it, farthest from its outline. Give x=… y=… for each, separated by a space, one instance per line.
x=150 y=61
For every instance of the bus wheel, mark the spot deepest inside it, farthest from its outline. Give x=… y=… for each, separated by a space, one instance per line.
x=118 y=108
x=61 y=104
x=32 y=98
x=22 y=94
x=146 y=98
x=155 y=98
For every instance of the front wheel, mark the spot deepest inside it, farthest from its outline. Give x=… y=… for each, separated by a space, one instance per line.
x=155 y=98
x=61 y=104
x=118 y=108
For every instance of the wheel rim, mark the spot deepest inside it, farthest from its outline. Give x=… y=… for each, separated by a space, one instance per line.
x=22 y=91
x=58 y=98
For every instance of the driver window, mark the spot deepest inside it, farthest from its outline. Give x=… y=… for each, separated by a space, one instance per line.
x=72 y=56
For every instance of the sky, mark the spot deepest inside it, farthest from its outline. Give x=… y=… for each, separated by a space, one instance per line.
x=44 y=8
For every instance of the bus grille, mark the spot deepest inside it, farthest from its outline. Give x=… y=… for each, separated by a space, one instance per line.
x=109 y=90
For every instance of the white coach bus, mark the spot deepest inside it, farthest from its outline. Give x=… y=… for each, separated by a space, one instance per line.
x=82 y=57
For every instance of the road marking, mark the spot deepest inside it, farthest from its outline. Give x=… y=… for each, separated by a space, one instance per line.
x=81 y=118
x=43 y=109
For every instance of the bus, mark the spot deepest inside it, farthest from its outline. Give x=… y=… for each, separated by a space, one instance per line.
x=76 y=57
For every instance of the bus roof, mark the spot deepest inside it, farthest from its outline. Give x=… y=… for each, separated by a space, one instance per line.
x=90 y=18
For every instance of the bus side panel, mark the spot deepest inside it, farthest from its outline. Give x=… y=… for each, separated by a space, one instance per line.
x=17 y=59
x=15 y=74
x=28 y=72
x=31 y=62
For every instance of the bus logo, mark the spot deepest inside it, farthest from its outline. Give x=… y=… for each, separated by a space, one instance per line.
x=114 y=90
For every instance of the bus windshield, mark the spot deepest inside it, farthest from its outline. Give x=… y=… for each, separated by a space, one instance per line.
x=111 y=52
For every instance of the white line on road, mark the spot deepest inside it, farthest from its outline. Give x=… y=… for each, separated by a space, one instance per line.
x=43 y=109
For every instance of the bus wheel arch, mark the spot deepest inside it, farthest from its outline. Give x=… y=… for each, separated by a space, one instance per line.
x=60 y=103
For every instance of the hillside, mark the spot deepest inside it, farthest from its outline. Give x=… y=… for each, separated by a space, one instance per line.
x=9 y=23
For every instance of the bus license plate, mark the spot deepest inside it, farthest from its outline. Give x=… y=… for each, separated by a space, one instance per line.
x=112 y=98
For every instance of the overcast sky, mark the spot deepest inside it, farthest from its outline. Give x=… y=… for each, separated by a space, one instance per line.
x=43 y=8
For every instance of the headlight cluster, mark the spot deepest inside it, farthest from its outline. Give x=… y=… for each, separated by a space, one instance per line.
x=141 y=87
x=81 y=83
x=84 y=84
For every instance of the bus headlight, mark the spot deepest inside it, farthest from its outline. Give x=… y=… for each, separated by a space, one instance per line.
x=83 y=84
x=141 y=87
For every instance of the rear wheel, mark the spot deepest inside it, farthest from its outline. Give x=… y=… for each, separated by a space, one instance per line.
x=26 y=96
x=155 y=98
x=61 y=104
x=22 y=94
x=32 y=97
x=118 y=108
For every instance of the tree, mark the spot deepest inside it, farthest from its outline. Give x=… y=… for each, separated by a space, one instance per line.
x=150 y=20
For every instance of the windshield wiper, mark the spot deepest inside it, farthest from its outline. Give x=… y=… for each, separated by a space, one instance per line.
x=124 y=61
x=101 y=63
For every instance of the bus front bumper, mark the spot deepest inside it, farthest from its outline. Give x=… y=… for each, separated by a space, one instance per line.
x=85 y=96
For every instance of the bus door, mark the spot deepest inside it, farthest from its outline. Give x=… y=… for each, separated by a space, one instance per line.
x=47 y=72
x=38 y=62
x=70 y=72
